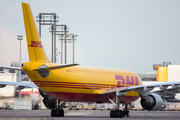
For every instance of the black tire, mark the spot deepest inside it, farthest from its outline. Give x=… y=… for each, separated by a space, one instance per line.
x=112 y=113
x=53 y=113
x=61 y=113
x=116 y=113
x=124 y=113
x=120 y=112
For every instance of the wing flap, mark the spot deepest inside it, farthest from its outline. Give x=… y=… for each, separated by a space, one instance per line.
x=168 y=93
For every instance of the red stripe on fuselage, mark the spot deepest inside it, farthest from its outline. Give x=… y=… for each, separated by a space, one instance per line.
x=47 y=85
x=78 y=87
x=81 y=97
x=73 y=84
x=52 y=82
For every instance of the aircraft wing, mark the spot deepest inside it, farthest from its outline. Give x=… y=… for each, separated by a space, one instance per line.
x=169 y=94
x=166 y=90
x=18 y=85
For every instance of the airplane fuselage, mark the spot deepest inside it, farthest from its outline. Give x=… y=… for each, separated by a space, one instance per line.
x=83 y=84
x=70 y=82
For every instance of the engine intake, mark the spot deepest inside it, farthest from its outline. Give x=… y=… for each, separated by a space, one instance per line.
x=151 y=102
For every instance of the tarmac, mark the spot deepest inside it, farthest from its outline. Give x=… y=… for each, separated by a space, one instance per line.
x=86 y=115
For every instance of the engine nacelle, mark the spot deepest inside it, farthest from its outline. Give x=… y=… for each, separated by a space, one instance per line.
x=49 y=103
x=151 y=102
x=43 y=94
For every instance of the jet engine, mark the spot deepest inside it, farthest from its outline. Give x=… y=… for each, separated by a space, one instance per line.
x=43 y=94
x=49 y=102
x=151 y=102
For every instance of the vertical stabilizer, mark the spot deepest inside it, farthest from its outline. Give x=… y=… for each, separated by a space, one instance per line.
x=34 y=44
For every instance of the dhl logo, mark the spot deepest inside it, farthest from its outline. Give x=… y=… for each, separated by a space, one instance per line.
x=126 y=81
x=35 y=44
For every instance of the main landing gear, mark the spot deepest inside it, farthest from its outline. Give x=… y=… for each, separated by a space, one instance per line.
x=126 y=111
x=117 y=113
x=58 y=111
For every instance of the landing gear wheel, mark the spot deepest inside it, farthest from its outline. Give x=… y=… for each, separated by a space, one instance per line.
x=124 y=113
x=57 y=113
x=116 y=114
x=60 y=113
x=112 y=114
x=119 y=114
x=53 y=113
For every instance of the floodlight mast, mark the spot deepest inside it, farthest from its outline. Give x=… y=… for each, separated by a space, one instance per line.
x=68 y=38
x=64 y=30
x=48 y=19
x=51 y=19
x=20 y=37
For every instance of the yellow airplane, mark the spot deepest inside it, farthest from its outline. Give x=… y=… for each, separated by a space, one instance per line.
x=71 y=82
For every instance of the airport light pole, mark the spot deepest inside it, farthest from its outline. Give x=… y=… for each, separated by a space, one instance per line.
x=48 y=19
x=57 y=30
x=74 y=38
x=20 y=37
x=67 y=38
x=51 y=29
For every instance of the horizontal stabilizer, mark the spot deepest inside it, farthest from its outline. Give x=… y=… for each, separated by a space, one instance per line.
x=56 y=67
x=12 y=68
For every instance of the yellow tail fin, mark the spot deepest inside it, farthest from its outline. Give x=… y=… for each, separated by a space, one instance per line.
x=34 y=44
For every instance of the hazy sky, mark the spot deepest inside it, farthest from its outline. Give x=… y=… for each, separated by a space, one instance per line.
x=129 y=34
